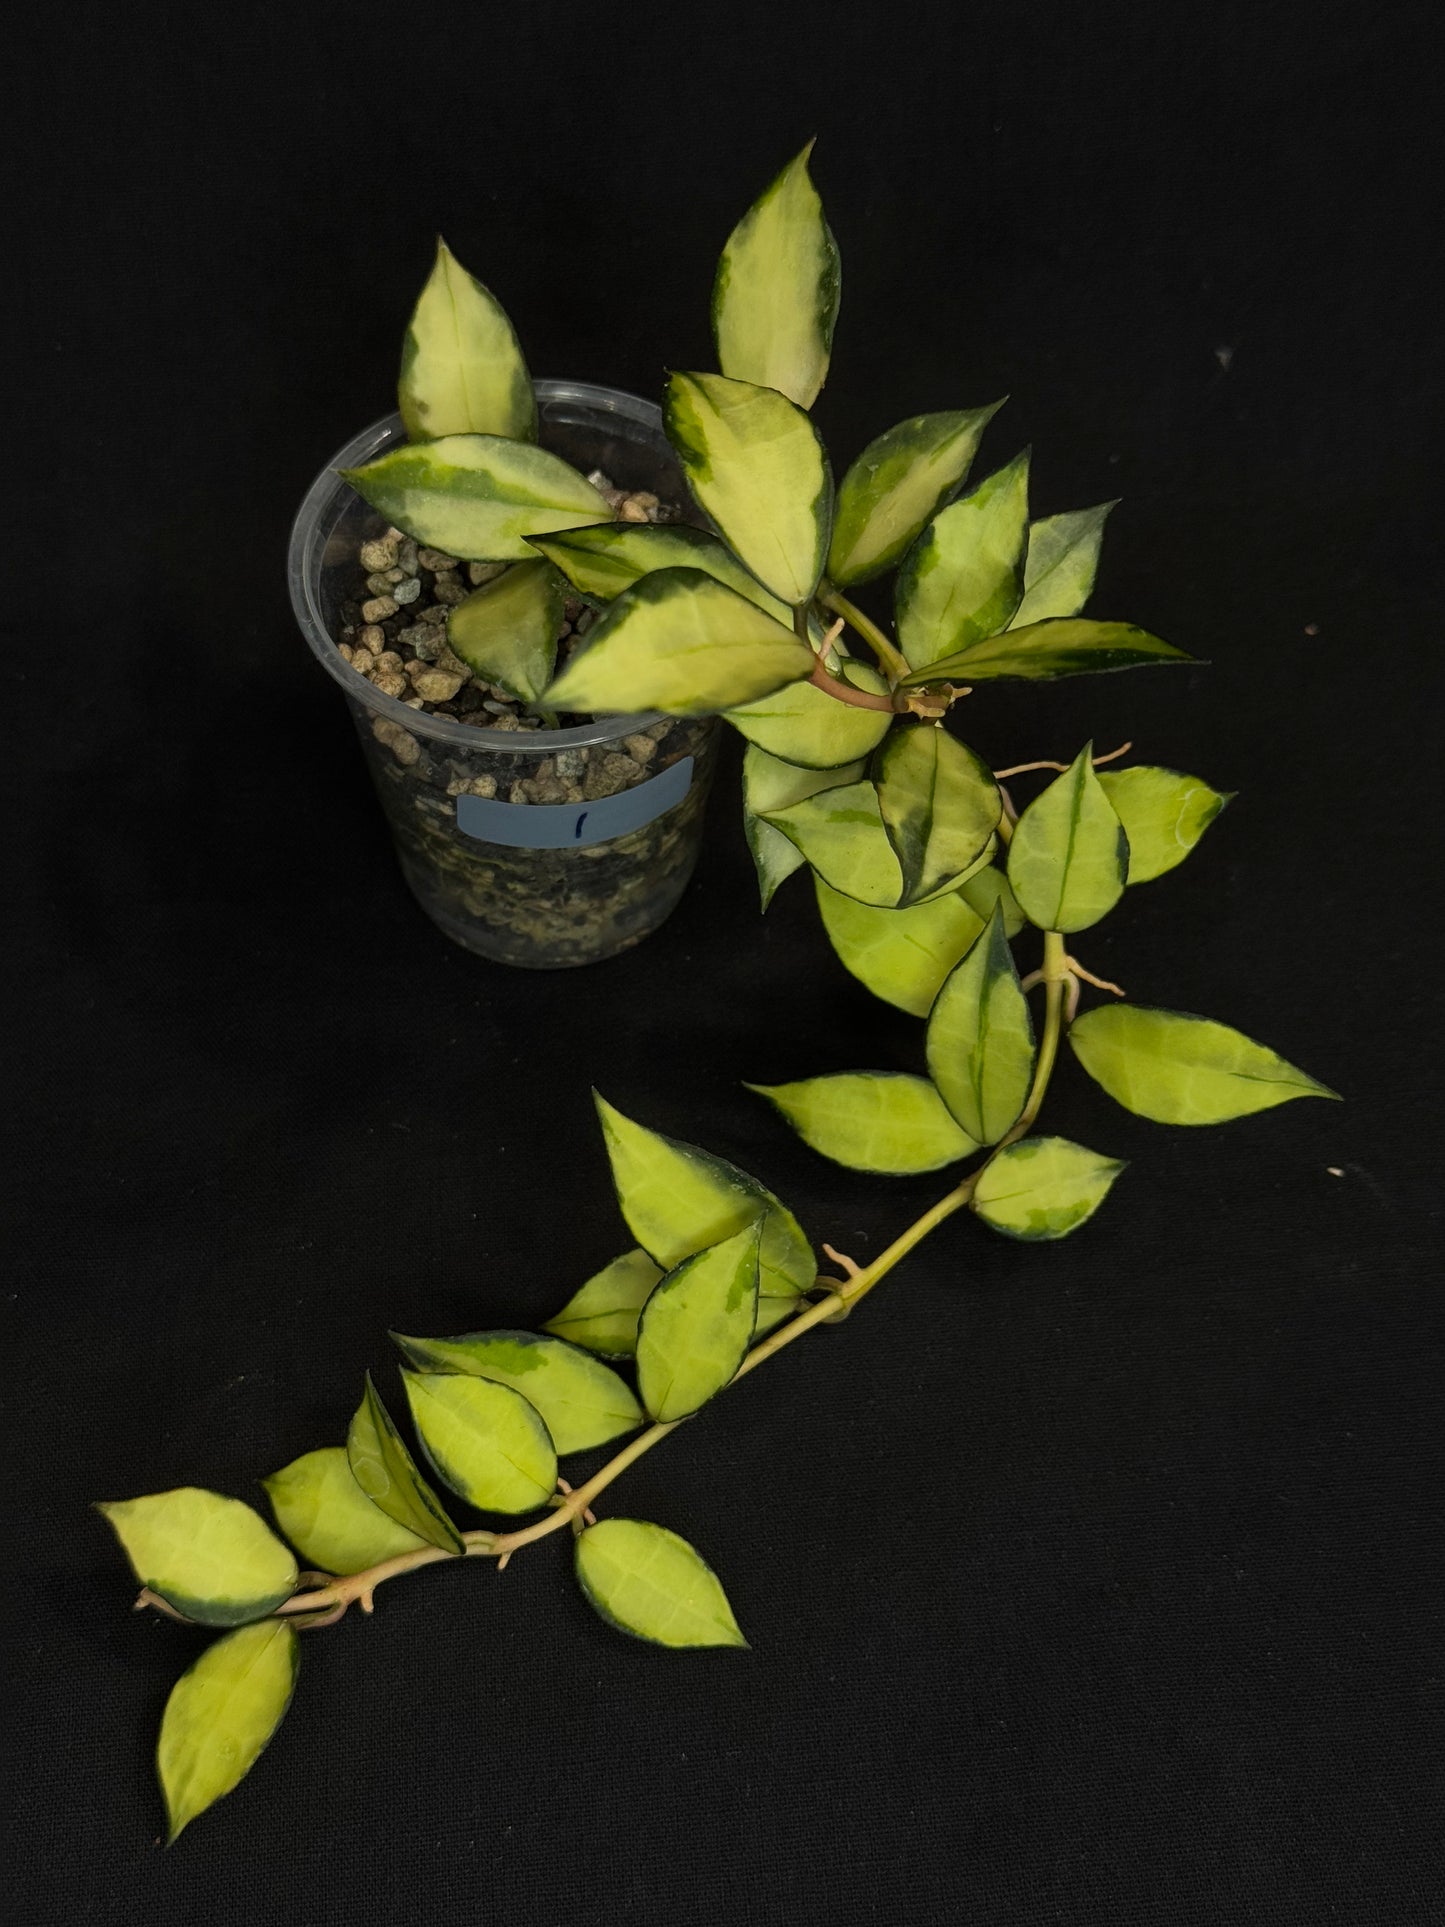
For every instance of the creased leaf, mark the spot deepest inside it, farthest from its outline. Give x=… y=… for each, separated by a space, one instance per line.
x=754 y=462
x=884 y=1121
x=387 y=1474
x=221 y=1715
x=1164 y=815
x=211 y=1557
x=507 y=630
x=1059 y=568
x=1043 y=1187
x=603 y=1314
x=897 y=483
x=329 y=1519
x=604 y=562
x=477 y=496
x=646 y=1581
x=803 y=724
x=682 y=642
x=484 y=1440
x=462 y=371
x=1178 y=1069
x=678 y=1200
x=1046 y=650
x=697 y=1326
x=939 y=803
x=769 y=784
x=775 y=299
x=981 y=1039
x=963 y=577
x=1069 y=853
x=582 y=1401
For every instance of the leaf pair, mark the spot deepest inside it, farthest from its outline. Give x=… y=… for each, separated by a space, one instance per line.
x=983 y=593
x=680 y=1201
x=1092 y=832
x=980 y=1060
x=1161 y=1064
x=215 y=1560
x=495 y=1409
x=916 y=828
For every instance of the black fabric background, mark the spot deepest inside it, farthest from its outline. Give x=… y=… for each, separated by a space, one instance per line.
x=1093 y=1584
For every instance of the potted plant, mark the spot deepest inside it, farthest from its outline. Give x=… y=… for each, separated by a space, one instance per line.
x=926 y=874
x=528 y=837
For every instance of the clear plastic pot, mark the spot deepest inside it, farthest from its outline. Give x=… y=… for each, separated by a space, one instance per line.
x=544 y=884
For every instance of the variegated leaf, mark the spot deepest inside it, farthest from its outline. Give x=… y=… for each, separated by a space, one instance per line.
x=462 y=371
x=775 y=299
x=682 y=642
x=963 y=578
x=755 y=464
x=477 y=496
x=897 y=483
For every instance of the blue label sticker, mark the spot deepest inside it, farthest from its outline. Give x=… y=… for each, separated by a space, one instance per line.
x=570 y=826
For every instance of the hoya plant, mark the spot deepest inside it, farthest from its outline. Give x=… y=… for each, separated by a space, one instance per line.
x=927 y=876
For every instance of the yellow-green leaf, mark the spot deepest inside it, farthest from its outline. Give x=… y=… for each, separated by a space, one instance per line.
x=487 y=1442
x=678 y=1200
x=1069 y=855
x=507 y=630
x=983 y=888
x=981 y=1038
x=604 y=562
x=462 y=372
x=646 y=1581
x=1062 y=560
x=221 y=1716
x=212 y=1558
x=939 y=803
x=697 y=1325
x=770 y=784
x=803 y=724
x=775 y=299
x=897 y=483
x=1043 y=1187
x=772 y=1312
x=883 y=1121
x=682 y=642
x=582 y=1401
x=1071 y=646
x=840 y=832
x=754 y=462
x=1164 y=815
x=329 y=1519
x=603 y=1314
x=387 y=1474
x=478 y=496
x=902 y=956
x=963 y=577
x=1178 y=1069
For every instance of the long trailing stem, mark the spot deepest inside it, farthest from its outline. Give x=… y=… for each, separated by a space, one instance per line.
x=891 y=660
x=571 y=1508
